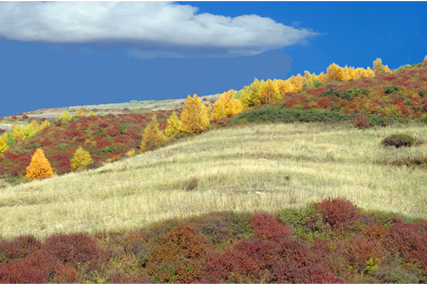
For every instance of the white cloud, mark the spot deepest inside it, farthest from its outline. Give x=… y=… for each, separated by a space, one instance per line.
x=148 y=29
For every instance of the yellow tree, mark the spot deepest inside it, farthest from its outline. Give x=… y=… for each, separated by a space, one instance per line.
x=152 y=136
x=194 y=115
x=322 y=77
x=284 y=86
x=18 y=133
x=80 y=159
x=335 y=73
x=219 y=110
x=233 y=107
x=92 y=113
x=252 y=94
x=3 y=145
x=35 y=125
x=39 y=167
x=269 y=92
x=81 y=112
x=44 y=125
x=370 y=72
x=297 y=82
x=66 y=116
x=173 y=126
x=349 y=73
x=29 y=131
x=378 y=67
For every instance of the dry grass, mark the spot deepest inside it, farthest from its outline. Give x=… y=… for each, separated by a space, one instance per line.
x=254 y=168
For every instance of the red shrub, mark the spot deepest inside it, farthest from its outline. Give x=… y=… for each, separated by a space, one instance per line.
x=24 y=117
x=408 y=241
x=37 y=268
x=360 y=249
x=339 y=213
x=324 y=103
x=66 y=274
x=178 y=257
x=19 y=248
x=266 y=226
x=361 y=122
x=112 y=133
x=75 y=248
x=245 y=262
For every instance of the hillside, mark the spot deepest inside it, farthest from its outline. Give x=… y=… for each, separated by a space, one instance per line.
x=210 y=194
x=253 y=168
x=243 y=198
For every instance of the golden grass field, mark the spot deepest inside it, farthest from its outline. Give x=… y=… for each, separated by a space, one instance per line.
x=252 y=168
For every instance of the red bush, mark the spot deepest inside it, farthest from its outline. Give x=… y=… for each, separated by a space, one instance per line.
x=75 y=248
x=361 y=122
x=361 y=249
x=266 y=226
x=178 y=257
x=339 y=213
x=408 y=241
x=37 y=268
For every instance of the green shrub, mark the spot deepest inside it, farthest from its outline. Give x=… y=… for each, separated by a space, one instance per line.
x=331 y=92
x=356 y=91
x=391 y=90
x=422 y=94
x=398 y=140
x=317 y=83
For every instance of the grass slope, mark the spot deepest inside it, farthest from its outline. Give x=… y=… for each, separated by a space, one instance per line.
x=251 y=168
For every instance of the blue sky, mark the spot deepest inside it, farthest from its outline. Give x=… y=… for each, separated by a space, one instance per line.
x=56 y=54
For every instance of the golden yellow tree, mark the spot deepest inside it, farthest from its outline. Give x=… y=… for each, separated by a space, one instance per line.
x=322 y=77
x=193 y=115
x=81 y=112
x=44 y=125
x=130 y=152
x=219 y=110
x=349 y=73
x=284 y=86
x=28 y=131
x=378 y=67
x=297 y=82
x=18 y=134
x=80 y=159
x=39 y=167
x=233 y=107
x=3 y=145
x=35 y=125
x=66 y=116
x=335 y=73
x=92 y=113
x=152 y=136
x=269 y=92
x=251 y=95
x=370 y=72
x=173 y=126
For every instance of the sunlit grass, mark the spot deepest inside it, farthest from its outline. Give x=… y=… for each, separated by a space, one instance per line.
x=253 y=168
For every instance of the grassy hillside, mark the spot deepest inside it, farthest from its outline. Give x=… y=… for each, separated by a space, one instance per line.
x=252 y=168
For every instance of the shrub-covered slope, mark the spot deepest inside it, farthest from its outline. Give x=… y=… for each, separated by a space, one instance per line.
x=105 y=137
x=331 y=241
x=399 y=96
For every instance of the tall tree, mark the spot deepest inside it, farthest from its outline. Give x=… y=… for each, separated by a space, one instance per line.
x=335 y=73
x=3 y=145
x=193 y=116
x=173 y=126
x=269 y=92
x=152 y=136
x=39 y=167
x=80 y=159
